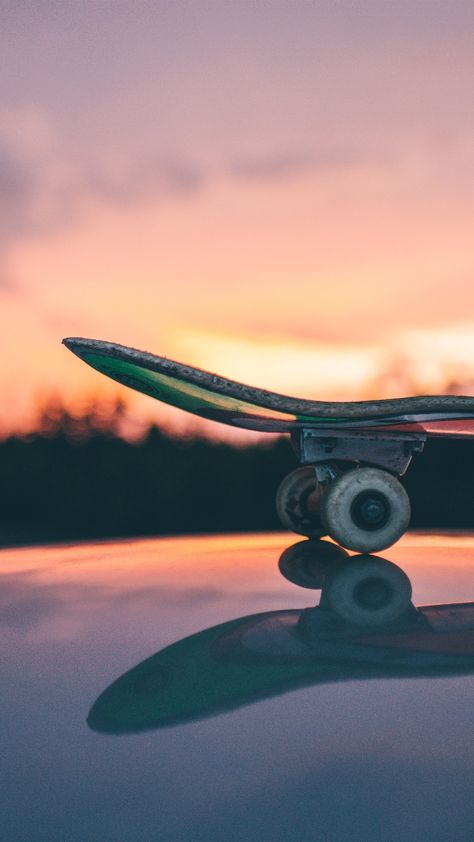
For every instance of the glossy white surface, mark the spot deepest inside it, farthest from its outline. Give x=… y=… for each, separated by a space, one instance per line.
x=359 y=760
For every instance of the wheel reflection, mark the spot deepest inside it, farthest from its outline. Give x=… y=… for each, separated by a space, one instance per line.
x=307 y=563
x=362 y=589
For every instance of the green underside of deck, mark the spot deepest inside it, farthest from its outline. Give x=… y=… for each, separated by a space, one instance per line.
x=189 y=396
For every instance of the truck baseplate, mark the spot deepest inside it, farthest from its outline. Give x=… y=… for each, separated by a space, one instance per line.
x=391 y=451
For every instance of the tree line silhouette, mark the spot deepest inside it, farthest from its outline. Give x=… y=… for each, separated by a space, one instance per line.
x=77 y=477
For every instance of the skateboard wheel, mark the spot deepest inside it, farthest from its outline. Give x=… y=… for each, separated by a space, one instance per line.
x=368 y=591
x=365 y=510
x=298 y=502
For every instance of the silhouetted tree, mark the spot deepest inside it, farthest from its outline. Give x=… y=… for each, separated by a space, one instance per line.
x=75 y=477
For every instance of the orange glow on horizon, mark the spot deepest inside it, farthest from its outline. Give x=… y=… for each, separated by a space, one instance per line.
x=414 y=362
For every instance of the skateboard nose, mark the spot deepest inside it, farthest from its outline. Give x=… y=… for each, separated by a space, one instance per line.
x=77 y=345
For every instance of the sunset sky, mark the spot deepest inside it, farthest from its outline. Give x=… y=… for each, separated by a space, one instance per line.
x=281 y=192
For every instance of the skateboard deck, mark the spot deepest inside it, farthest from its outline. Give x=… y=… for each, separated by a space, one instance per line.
x=263 y=655
x=219 y=399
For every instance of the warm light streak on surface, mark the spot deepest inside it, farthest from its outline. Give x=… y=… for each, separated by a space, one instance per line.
x=199 y=559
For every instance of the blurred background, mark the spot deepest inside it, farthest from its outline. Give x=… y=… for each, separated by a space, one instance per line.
x=277 y=191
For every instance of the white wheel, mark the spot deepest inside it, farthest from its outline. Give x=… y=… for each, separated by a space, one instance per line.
x=307 y=563
x=365 y=510
x=298 y=501
x=368 y=591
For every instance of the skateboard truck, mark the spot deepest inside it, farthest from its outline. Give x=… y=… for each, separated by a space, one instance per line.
x=347 y=486
x=392 y=453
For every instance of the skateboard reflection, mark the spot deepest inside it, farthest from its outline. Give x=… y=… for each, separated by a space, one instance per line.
x=262 y=655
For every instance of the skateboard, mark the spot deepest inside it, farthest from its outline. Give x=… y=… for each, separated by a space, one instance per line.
x=263 y=655
x=351 y=454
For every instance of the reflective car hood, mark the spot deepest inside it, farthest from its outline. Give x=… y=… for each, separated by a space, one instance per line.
x=385 y=758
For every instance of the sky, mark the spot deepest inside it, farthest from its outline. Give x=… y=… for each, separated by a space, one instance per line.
x=280 y=192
